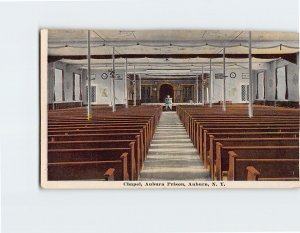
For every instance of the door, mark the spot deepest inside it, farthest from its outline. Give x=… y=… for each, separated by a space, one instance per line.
x=164 y=91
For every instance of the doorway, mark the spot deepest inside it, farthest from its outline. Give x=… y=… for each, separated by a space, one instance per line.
x=164 y=90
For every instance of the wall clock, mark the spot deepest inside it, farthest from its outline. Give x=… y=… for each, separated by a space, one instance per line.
x=232 y=75
x=104 y=76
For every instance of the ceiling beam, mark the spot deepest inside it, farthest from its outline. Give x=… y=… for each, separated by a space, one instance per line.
x=291 y=57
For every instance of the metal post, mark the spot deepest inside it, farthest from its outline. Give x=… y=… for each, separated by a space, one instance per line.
x=134 y=87
x=125 y=86
x=250 y=106
x=89 y=115
x=210 y=84
x=113 y=82
x=224 y=82
x=140 y=88
x=202 y=87
x=197 y=89
x=81 y=87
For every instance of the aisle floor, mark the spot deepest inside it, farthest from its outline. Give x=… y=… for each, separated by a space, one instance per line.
x=172 y=155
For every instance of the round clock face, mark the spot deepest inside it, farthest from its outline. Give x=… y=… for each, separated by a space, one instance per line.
x=104 y=76
x=232 y=75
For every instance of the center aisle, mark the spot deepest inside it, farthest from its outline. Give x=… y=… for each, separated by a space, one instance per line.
x=172 y=156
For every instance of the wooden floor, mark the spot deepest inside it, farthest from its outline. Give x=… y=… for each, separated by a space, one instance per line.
x=172 y=155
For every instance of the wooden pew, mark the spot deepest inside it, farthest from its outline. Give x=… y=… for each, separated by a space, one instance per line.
x=277 y=167
x=201 y=122
x=101 y=144
x=243 y=123
x=73 y=140
x=203 y=137
x=222 y=156
x=103 y=136
x=264 y=175
x=209 y=147
x=90 y=170
x=93 y=170
x=104 y=125
x=94 y=154
x=107 y=131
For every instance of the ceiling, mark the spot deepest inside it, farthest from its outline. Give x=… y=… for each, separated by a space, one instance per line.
x=169 y=49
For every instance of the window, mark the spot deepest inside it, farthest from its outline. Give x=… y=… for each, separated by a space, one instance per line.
x=187 y=93
x=146 y=94
x=59 y=94
x=76 y=87
x=93 y=94
x=260 y=86
x=245 y=92
x=281 y=84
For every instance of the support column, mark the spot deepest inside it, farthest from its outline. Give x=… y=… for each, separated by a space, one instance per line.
x=140 y=88
x=197 y=89
x=202 y=87
x=125 y=86
x=81 y=87
x=224 y=82
x=250 y=105
x=134 y=87
x=113 y=95
x=89 y=114
x=210 y=84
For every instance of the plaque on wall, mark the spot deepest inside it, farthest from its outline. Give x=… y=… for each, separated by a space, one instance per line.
x=245 y=76
x=218 y=75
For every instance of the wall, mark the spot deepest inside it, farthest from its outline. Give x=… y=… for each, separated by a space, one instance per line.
x=233 y=85
x=176 y=83
x=103 y=86
x=68 y=71
x=270 y=80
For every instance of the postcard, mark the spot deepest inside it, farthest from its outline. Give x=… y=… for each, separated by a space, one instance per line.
x=178 y=109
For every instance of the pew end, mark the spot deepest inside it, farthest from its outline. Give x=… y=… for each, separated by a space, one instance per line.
x=231 y=170
x=109 y=175
x=252 y=174
x=124 y=157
